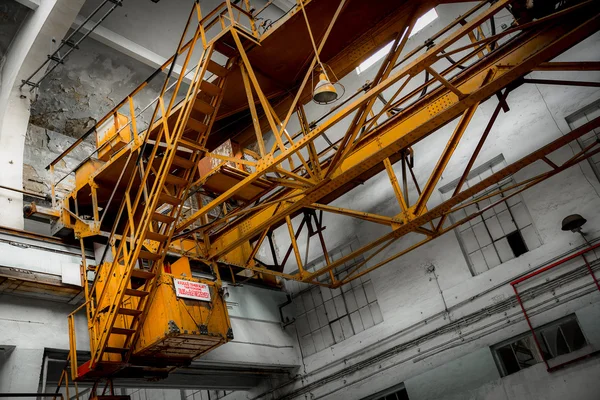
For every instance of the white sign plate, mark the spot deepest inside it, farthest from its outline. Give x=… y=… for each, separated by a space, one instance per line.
x=192 y=290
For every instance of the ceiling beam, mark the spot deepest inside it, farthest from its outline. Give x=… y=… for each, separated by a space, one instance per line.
x=284 y=5
x=124 y=45
x=32 y=4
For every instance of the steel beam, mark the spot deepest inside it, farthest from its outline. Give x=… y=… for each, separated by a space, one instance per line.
x=505 y=65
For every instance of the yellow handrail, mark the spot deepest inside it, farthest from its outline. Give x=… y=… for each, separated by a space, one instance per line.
x=73 y=341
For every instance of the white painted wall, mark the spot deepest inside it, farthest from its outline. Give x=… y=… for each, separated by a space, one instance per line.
x=470 y=377
x=32 y=325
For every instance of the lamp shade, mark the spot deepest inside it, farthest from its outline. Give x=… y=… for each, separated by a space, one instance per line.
x=573 y=222
x=324 y=91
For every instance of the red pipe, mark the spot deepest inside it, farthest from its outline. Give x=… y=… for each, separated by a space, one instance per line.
x=544 y=269
x=589 y=267
x=535 y=338
x=555 y=264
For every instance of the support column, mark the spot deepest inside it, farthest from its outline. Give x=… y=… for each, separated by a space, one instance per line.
x=51 y=20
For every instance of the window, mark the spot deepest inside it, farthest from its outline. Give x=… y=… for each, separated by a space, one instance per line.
x=397 y=392
x=581 y=117
x=327 y=316
x=498 y=235
x=557 y=340
x=421 y=23
x=187 y=394
x=205 y=394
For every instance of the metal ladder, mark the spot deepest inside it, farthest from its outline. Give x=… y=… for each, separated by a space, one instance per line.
x=69 y=44
x=151 y=204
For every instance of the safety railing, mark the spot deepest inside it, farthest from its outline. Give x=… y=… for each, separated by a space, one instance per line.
x=132 y=116
x=73 y=338
x=135 y=126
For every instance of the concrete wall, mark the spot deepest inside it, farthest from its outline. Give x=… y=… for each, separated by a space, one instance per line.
x=475 y=375
x=259 y=339
x=12 y=16
x=31 y=326
x=93 y=80
x=471 y=377
x=41 y=147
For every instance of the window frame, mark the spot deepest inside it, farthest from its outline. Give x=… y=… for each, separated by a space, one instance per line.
x=422 y=22
x=571 y=119
x=537 y=334
x=341 y=326
x=511 y=204
x=387 y=392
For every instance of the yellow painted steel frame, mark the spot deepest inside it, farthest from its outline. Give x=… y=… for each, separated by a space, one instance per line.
x=120 y=299
x=457 y=94
x=181 y=329
x=372 y=143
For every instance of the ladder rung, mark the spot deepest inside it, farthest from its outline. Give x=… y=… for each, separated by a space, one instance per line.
x=156 y=236
x=29 y=83
x=136 y=293
x=56 y=59
x=167 y=219
x=203 y=107
x=129 y=311
x=70 y=43
x=196 y=125
x=165 y=198
x=216 y=69
x=146 y=255
x=191 y=145
x=183 y=162
x=210 y=88
x=175 y=180
x=122 y=331
x=140 y=273
x=225 y=49
x=117 y=350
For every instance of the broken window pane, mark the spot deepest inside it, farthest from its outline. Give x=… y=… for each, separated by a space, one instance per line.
x=506 y=230
x=555 y=339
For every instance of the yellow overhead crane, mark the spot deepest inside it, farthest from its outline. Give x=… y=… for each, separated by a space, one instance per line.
x=196 y=179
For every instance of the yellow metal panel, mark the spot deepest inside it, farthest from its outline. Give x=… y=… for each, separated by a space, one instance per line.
x=178 y=329
x=181 y=268
x=123 y=321
x=116 y=132
x=83 y=173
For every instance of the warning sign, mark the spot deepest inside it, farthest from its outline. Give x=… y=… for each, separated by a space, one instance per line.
x=192 y=290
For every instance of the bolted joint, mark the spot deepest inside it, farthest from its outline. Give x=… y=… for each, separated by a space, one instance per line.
x=203 y=329
x=173 y=328
x=230 y=334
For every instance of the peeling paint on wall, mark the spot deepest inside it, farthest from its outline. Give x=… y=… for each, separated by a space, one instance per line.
x=41 y=147
x=90 y=83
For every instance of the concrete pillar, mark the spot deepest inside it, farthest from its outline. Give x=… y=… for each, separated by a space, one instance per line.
x=51 y=20
x=20 y=371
